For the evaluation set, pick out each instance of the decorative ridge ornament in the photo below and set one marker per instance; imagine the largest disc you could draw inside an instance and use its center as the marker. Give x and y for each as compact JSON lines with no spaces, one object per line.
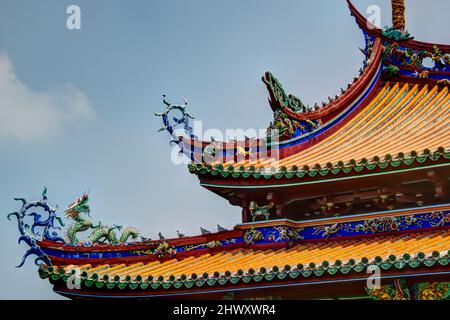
{"x":260,"y":211}
{"x":280,"y":101}
{"x":171,"y":125}
{"x":278,"y":96}
{"x":51,"y":224}
{"x":100,"y":233}
{"x":30,"y":235}
{"x":391,"y":70}
{"x":396,"y":34}
{"x":74,"y":212}
{"x":164,"y":249}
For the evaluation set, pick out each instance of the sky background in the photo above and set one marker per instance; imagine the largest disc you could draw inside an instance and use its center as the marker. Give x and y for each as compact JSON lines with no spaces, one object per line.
{"x":76,"y":106}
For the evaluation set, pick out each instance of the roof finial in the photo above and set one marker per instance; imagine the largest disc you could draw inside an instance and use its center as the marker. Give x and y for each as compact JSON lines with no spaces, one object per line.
{"x":398,"y":14}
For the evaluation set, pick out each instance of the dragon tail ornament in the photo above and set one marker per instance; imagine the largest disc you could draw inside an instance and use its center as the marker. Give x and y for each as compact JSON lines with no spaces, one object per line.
{"x":34,"y":227}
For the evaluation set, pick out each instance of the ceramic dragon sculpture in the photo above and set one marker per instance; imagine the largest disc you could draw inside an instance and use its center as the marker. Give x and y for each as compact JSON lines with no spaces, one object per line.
{"x":100,"y":233}
{"x":104,"y":234}
{"x":75,"y":212}
{"x":37,"y":221}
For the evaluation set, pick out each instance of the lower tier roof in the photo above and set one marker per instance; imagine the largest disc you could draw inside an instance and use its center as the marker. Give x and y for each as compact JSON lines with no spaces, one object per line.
{"x":303,"y":260}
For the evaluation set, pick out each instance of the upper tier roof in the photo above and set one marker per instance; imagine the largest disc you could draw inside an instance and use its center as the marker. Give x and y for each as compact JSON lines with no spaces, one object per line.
{"x":401,"y":118}
{"x":396,"y":110}
{"x":406,"y":123}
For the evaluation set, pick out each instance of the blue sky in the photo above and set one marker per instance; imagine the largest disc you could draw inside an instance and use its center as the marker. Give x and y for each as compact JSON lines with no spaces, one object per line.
{"x":76,"y":106}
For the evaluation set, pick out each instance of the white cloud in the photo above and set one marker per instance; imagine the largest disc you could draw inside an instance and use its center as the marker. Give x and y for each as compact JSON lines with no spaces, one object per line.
{"x":28,"y":115}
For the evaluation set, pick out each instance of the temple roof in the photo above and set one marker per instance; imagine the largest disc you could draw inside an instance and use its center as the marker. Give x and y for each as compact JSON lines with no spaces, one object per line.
{"x":393,"y":117}
{"x":395,"y":114}
{"x":306,"y":260}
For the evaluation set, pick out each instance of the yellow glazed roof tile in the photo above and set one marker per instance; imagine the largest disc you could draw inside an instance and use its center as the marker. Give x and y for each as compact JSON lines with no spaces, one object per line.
{"x":401,"y":118}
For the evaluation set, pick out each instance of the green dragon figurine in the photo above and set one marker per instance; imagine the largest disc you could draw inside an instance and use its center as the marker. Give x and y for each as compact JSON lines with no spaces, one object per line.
{"x":103,"y":234}
{"x":129,"y":233}
{"x":396,"y":34}
{"x":74,"y":211}
{"x":106,"y":233}
{"x":100,"y":233}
